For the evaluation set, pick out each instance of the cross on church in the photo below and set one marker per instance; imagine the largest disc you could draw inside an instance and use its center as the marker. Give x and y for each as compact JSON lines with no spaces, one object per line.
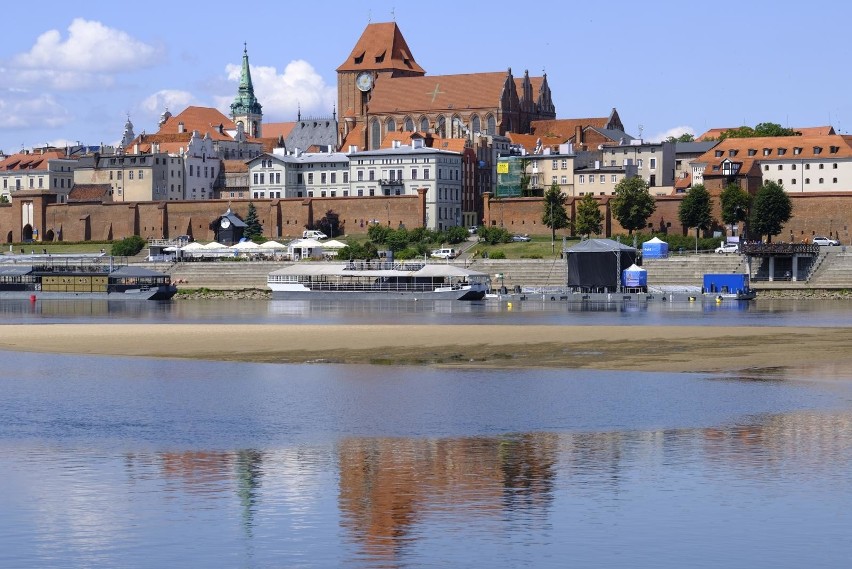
{"x":436,"y":92}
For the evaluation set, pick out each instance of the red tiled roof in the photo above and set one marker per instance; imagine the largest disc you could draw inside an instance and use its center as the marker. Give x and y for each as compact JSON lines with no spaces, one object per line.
{"x":22,"y":161}
{"x":684,"y":182}
{"x":565,"y":128}
{"x":276,"y":129}
{"x":529,"y":141}
{"x":749,"y":151}
{"x":203,"y":119}
{"x":381,"y":47}
{"x":452,"y":93}
{"x":89,"y":193}
{"x":233,"y":166}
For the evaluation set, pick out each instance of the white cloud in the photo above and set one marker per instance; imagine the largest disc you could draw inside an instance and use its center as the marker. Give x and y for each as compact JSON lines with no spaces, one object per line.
{"x":85,"y":59}
{"x":171,"y":99}
{"x":674,"y":131}
{"x":37,"y":112}
{"x":299,"y":86}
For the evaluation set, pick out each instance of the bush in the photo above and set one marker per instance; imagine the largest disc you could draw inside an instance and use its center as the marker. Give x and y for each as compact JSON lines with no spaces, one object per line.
{"x":455,"y":235}
{"x":497,"y":255}
{"x":494,"y":235}
{"x":128,"y":247}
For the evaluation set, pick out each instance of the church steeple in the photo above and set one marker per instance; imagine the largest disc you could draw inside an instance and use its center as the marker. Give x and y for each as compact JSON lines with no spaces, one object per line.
{"x":245,"y":109}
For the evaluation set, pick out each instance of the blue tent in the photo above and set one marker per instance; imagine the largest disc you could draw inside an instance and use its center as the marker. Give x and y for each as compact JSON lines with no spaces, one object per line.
{"x":634,"y":276}
{"x":655,"y":248}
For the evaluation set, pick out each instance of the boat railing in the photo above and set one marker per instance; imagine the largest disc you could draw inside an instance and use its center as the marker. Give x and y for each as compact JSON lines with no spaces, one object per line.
{"x":380,"y":287}
{"x":379,"y":265}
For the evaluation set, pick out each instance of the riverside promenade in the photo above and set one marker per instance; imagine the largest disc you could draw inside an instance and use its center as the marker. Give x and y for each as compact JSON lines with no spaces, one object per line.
{"x":831,"y":272}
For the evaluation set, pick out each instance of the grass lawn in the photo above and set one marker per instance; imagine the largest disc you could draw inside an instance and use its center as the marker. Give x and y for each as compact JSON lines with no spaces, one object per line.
{"x":538,"y":248}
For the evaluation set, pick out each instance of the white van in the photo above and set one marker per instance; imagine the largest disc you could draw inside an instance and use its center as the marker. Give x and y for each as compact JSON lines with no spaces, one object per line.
{"x":313,"y":234}
{"x":444,"y":253}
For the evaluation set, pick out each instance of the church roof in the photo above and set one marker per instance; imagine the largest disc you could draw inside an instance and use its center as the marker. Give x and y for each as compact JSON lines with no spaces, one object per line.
{"x":455,"y":93}
{"x":565,"y":128}
{"x":381,"y":47}
{"x":245,"y":102}
{"x":276,"y":129}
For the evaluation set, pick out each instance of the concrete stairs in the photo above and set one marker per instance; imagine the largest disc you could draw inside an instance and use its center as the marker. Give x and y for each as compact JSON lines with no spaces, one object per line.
{"x":689,"y":270}
{"x":834,"y":271}
{"x":522,"y":272}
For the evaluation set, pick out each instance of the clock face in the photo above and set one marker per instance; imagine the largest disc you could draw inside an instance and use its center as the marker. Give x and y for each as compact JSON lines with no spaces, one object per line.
{"x":225,"y":223}
{"x":364,"y":81}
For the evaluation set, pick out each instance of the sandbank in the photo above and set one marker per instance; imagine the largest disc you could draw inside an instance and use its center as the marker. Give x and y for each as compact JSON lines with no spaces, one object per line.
{"x":640,"y":348}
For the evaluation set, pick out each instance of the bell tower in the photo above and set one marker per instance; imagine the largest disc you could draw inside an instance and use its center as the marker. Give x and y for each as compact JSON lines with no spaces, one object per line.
{"x":245,"y":109}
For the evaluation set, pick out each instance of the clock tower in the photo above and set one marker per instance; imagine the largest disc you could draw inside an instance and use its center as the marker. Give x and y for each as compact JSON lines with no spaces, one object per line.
{"x":380,"y":54}
{"x":245,"y":109}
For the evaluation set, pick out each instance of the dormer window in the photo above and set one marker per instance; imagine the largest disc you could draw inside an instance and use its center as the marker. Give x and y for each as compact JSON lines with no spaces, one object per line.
{"x":782,"y":151}
{"x":718,"y":153}
{"x":767,"y":151}
{"x":752,"y":151}
{"x":834,"y":149}
{"x":359,"y":59}
{"x":380,"y":57}
{"x":817,"y":150}
{"x":797,"y":150}
{"x":732,"y":152}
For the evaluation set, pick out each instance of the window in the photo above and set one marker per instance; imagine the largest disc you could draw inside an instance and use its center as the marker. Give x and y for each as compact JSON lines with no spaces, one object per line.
{"x":190,"y":169}
{"x":834,"y":180}
{"x":425,"y":173}
{"x":807,"y":166}
{"x":414,"y":173}
{"x":553,"y":179}
{"x":639,"y":163}
{"x":834,"y":166}
{"x":797,"y":150}
{"x":752,"y":151}
{"x":300,"y":178}
{"x":581,"y":179}
{"x":780,"y":166}
{"x":310,"y":177}
{"x":262,"y":178}
{"x":360,"y":175}
{"x":614,"y":179}
{"x":322,"y":178}
{"x":767,"y":151}
{"x":346,"y":177}
{"x":766,"y":167}
{"x":372,"y":176}
{"x":409,"y":125}
{"x":564,"y":179}
{"x":334,"y":177}
{"x":475,"y":124}
{"x":808,"y":180}
{"x":555,"y":164}
{"x":603,"y":178}
{"x":375,"y":134}
{"x":817,"y":150}
{"x":492,"y":125}
{"x":565,"y":164}
{"x":652,"y":163}
{"x":130,"y":175}
{"x":141,"y":174}
{"x":793,"y":181}
{"x":424,"y":124}
{"x":391,"y":125}
{"x":792,"y":166}
{"x":591,"y":178}
{"x":782,"y":151}
{"x":718,"y":153}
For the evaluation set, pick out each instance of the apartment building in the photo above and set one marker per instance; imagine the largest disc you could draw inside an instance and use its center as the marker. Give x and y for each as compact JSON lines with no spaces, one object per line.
{"x":155,"y":176}
{"x":299,"y":175}
{"x":39,"y":169}
{"x":654,"y":161}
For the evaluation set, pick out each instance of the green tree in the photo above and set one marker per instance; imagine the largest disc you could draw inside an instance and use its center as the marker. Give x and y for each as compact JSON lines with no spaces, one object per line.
{"x":695,"y":208}
{"x":685,"y":137}
{"x":772,"y":208}
{"x":525,"y":178}
{"x":254,"y":229}
{"x":127,"y":247}
{"x":355,"y":250}
{"x":762,"y":129}
{"x":735,"y":202}
{"x":589,"y":217}
{"x":378,"y":233}
{"x":554,"y":215}
{"x":397,"y":239}
{"x":4,"y":198}
{"x":633,"y":204}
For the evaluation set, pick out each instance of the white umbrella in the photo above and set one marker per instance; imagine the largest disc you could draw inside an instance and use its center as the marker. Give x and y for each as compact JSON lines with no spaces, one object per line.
{"x":195,"y":245}
{"x":215,"y":245}
{"x":243,"y":245}
{"x":272,"y":245}
{"x":333,"y":244}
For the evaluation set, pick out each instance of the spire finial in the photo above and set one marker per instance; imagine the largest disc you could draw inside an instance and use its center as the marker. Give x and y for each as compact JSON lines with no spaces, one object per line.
{"x":245,"y":47}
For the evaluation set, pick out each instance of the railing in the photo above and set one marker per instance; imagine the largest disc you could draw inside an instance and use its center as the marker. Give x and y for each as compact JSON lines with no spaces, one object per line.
{"x":766,"y":249}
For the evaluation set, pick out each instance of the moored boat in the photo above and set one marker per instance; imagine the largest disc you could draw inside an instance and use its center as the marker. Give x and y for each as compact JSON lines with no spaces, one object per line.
{"x":76,"y":277}
{"x":378,"y":280}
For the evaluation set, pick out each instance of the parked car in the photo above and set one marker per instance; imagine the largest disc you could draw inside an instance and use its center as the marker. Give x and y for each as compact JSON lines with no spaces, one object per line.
{"x":825,"y":241}
{"x":521,"y":238}
{"x":472,"y":229}
{"x":444,"y":253}
{"x":725,"y":248}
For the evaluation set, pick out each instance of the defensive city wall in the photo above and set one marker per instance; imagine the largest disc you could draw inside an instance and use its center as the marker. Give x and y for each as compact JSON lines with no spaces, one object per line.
{"x":34,"y":214}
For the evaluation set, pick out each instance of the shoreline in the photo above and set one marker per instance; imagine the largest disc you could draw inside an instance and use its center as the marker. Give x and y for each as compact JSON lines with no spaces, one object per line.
{"x":624,"y":348}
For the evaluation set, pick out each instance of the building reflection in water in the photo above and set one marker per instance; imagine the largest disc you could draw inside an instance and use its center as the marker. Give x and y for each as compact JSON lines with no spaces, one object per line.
{"x":388,"y":486}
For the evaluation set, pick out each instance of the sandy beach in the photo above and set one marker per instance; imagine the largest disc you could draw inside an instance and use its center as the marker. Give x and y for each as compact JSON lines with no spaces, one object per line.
{"x":641,"y":348}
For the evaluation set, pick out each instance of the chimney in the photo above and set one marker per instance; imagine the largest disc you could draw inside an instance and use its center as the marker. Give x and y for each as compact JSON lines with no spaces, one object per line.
{"x":181,"y":128}
{"x":578,"y":135}
{"x":352,"y":148}
{"x":395,"y":144}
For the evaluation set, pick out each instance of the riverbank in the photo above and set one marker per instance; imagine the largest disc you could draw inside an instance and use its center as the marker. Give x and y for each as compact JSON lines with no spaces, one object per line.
{"x":645,"y":348}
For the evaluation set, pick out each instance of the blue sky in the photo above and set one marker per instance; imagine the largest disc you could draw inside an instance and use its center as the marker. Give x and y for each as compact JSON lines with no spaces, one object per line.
{"x":74,"y":71}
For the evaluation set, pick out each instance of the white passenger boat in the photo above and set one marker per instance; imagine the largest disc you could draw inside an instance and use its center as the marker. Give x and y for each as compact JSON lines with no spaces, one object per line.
{"x":359,"y":280}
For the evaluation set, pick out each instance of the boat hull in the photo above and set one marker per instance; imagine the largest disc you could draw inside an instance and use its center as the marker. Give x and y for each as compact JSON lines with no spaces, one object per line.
{"x":158,"y":293}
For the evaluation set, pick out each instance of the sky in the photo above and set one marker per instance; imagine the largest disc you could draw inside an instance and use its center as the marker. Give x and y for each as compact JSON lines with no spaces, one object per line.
{"x":74,"y":72}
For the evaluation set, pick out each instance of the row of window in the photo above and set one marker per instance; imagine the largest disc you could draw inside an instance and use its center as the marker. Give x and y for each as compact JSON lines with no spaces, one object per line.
{"x":57,"y":183}
{"x":794,"y":181}
{"x":197,"y":171}
{"x":458,"y":127}
{"x":807,"y":166}
{"x":780,"y":151}
{"x":581,"y":178}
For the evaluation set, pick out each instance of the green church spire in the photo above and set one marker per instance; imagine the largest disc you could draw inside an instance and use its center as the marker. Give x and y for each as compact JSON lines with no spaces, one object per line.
{"x":245,"y":103}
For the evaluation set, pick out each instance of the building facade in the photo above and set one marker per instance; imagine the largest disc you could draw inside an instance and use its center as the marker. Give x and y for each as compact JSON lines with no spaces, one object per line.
{"x":40,"y":169}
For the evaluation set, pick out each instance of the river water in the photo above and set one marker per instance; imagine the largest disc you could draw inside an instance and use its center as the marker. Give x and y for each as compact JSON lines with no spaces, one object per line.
{"x":149,"y":463}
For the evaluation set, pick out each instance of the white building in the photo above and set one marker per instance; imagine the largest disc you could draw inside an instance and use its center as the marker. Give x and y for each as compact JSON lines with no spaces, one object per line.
{"x":403,"y":170}
{"x":299,"y":175}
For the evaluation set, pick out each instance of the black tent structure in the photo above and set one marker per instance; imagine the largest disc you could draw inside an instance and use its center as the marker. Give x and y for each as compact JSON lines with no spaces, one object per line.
{"x":595,"y":265}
